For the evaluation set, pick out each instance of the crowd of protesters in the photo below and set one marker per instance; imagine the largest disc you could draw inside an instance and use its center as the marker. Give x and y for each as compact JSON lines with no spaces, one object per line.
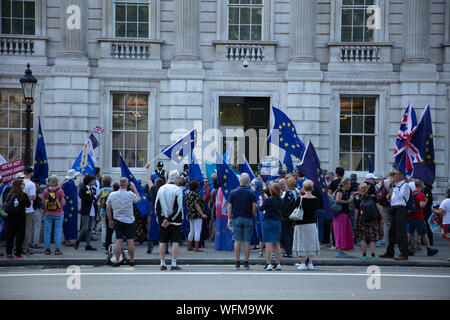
{"x":378,"y":212}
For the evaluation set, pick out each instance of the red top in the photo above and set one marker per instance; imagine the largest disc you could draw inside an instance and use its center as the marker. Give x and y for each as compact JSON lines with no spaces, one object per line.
{"x":59,"y":195}
{"x":418,"y":197}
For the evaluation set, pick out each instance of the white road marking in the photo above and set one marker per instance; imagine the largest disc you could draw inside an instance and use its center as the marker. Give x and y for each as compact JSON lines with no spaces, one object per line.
{"x":236,"y":273}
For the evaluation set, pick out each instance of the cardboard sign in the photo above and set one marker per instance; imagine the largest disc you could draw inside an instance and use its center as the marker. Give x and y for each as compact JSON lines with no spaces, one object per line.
{"x":9,"y":170}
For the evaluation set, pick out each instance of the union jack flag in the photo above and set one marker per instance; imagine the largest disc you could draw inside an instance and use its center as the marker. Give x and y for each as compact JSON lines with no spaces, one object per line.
{"x":405,"y":152}
{"x":98,"y":130}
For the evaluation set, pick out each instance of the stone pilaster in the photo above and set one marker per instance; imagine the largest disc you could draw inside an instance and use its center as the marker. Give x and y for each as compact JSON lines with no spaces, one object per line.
{"x":73,"y":28}
{"x":187,"y":14}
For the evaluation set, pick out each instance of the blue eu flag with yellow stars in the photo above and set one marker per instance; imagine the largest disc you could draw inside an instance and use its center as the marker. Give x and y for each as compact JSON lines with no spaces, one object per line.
{"x":40,"y":158}
{"x":180,"y":149}
{"x":310,"y":167}
{"x":70,"y":210}
{"x":143,"y":206}
{"x":84,"y":164}
{"x":195,"y":173}
{"x":226,"y":177}
{"x":285,"y":135}
{"x":422,"y":138}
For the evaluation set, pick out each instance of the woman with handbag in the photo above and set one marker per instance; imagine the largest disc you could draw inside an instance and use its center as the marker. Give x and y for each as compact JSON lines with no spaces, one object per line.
{"x":271,"y":226}
{"x":342,"y":225}
{"x":306,"y":239}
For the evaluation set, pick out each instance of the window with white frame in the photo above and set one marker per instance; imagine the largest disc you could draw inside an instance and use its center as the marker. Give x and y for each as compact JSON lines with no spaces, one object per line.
{"x":12,"y":124}
{"x":357,"y":132}
{"x":130,"y":128}
{"x":354,"y":21}
{"x":131,"y":18}
{"x":245,"y":19}
{"x":18,"y":17}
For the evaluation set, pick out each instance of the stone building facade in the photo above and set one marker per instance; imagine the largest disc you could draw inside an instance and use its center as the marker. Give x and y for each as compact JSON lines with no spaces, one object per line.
{"x":343,"y":70}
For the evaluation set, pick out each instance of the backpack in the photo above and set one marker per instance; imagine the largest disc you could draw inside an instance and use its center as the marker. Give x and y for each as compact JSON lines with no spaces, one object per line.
{"x":8,"y":204}
{"x":103,"y":198}
{"x":382,"y":196}
{"x":52,"y":203}
{"x":336,"y":208}
{"x":288,"y":207}
{"x":411,"y":204}
{"x":369,"y":211}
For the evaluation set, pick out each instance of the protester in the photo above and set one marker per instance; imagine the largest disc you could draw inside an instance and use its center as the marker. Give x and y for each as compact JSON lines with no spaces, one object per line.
{"x":30,"y":190}
{"x":368,"y":221}
{"x":371,"y":181}
{"x":54,"y":202}
{"x":241,"y":208}
{"x":321,"y":215}
{"x":257,"y":233}
{"x":158,"y":183}
{"x":271,"y":227}
{"x":342,"y":226}
{"x":185,"y":171}
{"x":335,"y":183}
{"x":195,"y":215}
{"x":97,"y":186}
{"x":15,"y":205}
{"x":212,"y":206}
{"x":444,"y":211}
{"x":283,"y":186}
{"x":87,"y":211}
{"x":205,"y":225}
{"x":109,"y":230}
{"x":306,"y":240}
{"x":289,"y":206}
{"x":102,"y":195}
{"x":329,"y":176}
{"x":121,"y":203}
{"x":355,"y":184}
{"x":140,"y":221}
{"x":38,"y":206}
{"x":416,"y":222}
{"x":397,"y":232}
{"x":428,"y":210}
{"x":382,"y":200}
{"x":169,"y":211}
{"x":70,"y":228}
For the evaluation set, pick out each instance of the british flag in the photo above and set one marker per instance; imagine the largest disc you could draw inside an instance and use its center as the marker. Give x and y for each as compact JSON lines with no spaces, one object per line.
{"x":406,"y":153}
{"x":98,"y":130}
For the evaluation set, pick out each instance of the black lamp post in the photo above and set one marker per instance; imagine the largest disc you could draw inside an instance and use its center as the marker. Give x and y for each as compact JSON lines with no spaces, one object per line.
{"x":28,"y":83}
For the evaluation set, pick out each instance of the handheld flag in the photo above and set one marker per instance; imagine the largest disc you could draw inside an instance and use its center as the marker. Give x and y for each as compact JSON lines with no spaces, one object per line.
{"x":425,"y":170}
{"x":70,"y":210}
{"x":311,"y":168}
{"x":227,"y":155}
{"x":223,"y":238}
{"x":143,"y":206}
{"x":40,"y":158}
{"x":226,"y":178}
{"x":94,"y":141}
{"x":195,"y":173}
{"x":288,"y":162}
{"x":84,"y":164}
{"x":245,"y":167}
{"x":370,"y":165}
{"x":285,"y":135}
{"x":178,"y":150}
{"x":406,"y":153}
{"x":98,"y":130}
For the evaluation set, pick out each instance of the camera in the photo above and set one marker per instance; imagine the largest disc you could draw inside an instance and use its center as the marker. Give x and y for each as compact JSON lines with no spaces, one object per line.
{"x":245,"y":63}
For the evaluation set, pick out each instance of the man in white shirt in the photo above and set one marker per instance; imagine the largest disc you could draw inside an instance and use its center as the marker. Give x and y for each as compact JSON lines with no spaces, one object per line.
{"x":169,"y":213}
{"x":397,"y":232}
{"x":30,"y":190}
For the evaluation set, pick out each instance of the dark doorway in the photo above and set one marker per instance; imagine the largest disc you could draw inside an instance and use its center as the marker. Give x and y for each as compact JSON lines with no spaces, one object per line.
{"x":251,"y":114}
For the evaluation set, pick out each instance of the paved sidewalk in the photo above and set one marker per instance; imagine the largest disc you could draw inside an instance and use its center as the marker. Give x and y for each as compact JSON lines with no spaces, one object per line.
{"x":210,"y":256}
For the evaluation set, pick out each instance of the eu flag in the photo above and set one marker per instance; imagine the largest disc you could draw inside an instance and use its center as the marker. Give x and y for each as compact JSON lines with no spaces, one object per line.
{"x":370,"y":165}
{"x":40,"y":158}
{"x":288,"y":162}
{"x":285,"y":135}
{"x":143,"y":206}
{"x":422,"y":138}
{"x":245,"y":167}
{"x":223,"y":239}
{"x":84,"y":164}
{"x":195,"y":173}
{"x":178,"y":150}
{"x":70,"y":210}
{"x":311,"y":168}
{"x":226,"y":178}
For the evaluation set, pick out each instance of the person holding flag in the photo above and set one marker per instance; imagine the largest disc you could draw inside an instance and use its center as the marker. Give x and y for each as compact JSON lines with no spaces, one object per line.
{"x":71,"y":208}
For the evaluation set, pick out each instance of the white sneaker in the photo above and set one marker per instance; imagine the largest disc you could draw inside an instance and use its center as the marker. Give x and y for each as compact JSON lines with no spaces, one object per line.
{"x":278,"y":268}
{"x":302,"y":267}
{"x":269,"y":267}
{"x":310,"y":266}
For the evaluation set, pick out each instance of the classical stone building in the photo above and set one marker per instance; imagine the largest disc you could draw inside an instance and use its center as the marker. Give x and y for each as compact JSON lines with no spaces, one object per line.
{"x":343,"y":70}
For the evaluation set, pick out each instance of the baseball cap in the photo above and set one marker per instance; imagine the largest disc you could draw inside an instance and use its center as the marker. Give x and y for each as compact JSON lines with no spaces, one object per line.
{"x":20,"y":175}
{"x":371,"y":176}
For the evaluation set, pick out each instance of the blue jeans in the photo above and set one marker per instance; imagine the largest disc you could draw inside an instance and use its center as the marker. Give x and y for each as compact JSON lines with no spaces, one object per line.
{"x":48,"y":220}
{"x":321,"y":216}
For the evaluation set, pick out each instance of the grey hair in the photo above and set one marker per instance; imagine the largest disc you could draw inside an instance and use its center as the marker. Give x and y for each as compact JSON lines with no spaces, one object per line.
{"x":123,"y":182}
{"x":244,"y":179}
{"x":53,"y":181}
{"x":173,"y":175}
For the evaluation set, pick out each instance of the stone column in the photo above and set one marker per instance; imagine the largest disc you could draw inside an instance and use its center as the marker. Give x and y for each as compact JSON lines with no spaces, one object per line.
{"x":74,"y":28}
{"x":416,"y":21}
{"x":187,"y":13}
{"x":302,"y":30}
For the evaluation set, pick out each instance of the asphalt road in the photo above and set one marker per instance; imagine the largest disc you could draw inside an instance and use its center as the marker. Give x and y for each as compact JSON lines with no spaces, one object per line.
{"x":224,"y":283}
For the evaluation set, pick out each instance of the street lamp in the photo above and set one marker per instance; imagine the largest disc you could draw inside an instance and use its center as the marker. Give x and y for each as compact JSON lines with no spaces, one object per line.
{"x":28,"y":83}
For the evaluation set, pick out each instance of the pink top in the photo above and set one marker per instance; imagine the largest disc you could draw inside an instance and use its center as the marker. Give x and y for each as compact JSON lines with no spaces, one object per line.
{"x":59,"y":195}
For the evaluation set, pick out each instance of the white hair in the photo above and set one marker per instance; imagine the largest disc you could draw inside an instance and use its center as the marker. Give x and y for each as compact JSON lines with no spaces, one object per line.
{"x":53,"y":181}
{"x":244,"y":179}
{"x":173,"y":175}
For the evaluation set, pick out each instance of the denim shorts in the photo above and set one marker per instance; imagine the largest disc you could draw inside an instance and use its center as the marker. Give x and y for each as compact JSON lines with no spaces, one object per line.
{"x":242,"y":229}
{"x":418,"y":225}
